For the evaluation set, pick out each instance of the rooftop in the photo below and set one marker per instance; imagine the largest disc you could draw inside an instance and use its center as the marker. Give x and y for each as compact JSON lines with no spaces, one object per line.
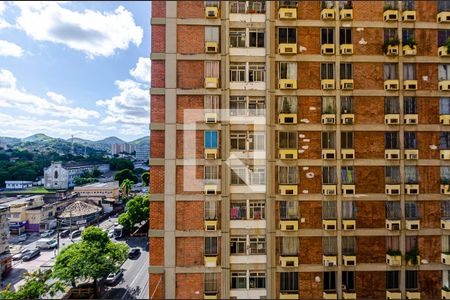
{"x":99,"y":185}
{"x":78,"y":209}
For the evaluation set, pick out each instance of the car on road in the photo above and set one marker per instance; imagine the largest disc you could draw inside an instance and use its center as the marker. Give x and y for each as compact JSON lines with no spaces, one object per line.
{"x":75,"y":234}
{"x":64,"y":233}
{"x":46,"y":243}
{"x":113,"y":277}
{"x":21,"y":254}
{"x":23,"y":237}
{"x":32,"y":254}
{"x":134,"y":253}
{"x":47,"y":233}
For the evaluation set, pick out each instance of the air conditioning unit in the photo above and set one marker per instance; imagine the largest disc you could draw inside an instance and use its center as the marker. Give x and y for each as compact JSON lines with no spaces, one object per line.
{"x":327,"y":14}
{"x":390,"y":15}
{"x":327,"y":84}
{"x":289,"y":225}
{"x":347,"y":153}
{"x":329,"y":260}
{"x":346,"y":14}
{"x":211,"y":225}
{"x":211,"y":83}
{"x":327,"y":49}
{"x":392,"y":189}
{"x":287,"y":48}
{"x":346,"y":49}
{"x":445,"y":189}
{"x":348,"y":295}
{"x":413,"y":224}
{"x":289,"y":261}
{"x":211,"y":117}
{"x":211,"y":47}
{"x":409,"y":16}
{"x":445,"y":154}
{"x":411,"y":189}
{"x":443,"y":51}
{"x":209,"y":296}
{"x":329,"y":189}
{"x":393,"y":295}
{"x":393,"y":225}
{"x":287,"y":153}
{"x":391,"y":85}
{"x":328,"y":154}
{"x":411,"y":154}
{"x":287,"y":119}
{"x":211,"y":189}
{"x":211,"y":153}
{"x":392,"y":50}
{"x":347,"y":119}
{"x":392,"y":119}
{"x":411,"y":119}
{"x":444,"y":85}
{"x":349,"y":260}
{"x":445,"y":224}
{"x":393,"y":154}
{"x":349,"y":224}
{"x":328,"y":119}
{"x":288,"y":189}
{"x":211,"y":12}
{"x":445,"y":294}
{"x":346,"y":84}
{"x":348,"y":189}
{"x":329,"y":224}
{"x":412,"y":295}
{"x":287,"y":84}
{"x":289,"y":296}
{"x":444,"y":119}
{"x":329,"y":295}
{"x":285,"y":13}
{"x":408,"y":51}
{"x":410,"y":85}
{"x":443,"y":17}
{"x":393,"y":260}
{"x":210,"y":261}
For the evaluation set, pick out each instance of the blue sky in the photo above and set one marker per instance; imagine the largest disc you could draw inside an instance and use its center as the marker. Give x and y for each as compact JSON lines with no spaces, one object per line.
{"x":78,"y":68}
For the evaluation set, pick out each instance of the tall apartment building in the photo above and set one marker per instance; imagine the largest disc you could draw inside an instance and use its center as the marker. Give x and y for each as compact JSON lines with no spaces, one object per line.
{"x":300,"y":150}
{"x":122,"y":148}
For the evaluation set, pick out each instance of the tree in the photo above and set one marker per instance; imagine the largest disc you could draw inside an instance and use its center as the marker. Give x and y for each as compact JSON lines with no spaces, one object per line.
{"x":118,"y":164}
{"x":137,"y":210}
{"x":37,"y":284}
{"x":126,"y":187}
{"x":125,"y":174}
{"x":83,"y":180}
{"x":145,"y":178}
{"x":94,"y":257}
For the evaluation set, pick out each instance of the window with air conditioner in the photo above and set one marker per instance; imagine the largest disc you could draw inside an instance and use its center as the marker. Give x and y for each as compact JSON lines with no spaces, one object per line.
{"x":287,"y":105}
{"x":410,"y":140}
{"x":212,"y":69}
{"x":348,"y":175}
{"x":211,"y":283}
{"x":287,"y":175}
{"x":287,"y":140}
{"x":391,"y":140}
{"x":390,"y":71}
{"x":257,"y":280}
{"x":211,"y":103}
{"x":346,"y":71}
{"x":327,"y":36}
{"x":345,"y":36}
{"x":288,"y":70}
{"x":348,"y":281}
{"x":411,"y":210}
{"x":237,"y":72}
{"x":347,"y":105}
{"x":393,"y":280}
{"x":347,"y":140}
{"x":329,"y":281}
{"x":393,"y":210}
{"x":289,"y":282}
{"x":239,"y":280}
{"x":211,"y":174}
{"x":287,"y":35}
{"x":409,"y":71}
{"x":392,"y":175}
{"x":443,"y":36}
{"x":327,"y":71}
{"x":411,"y":175}
{"x":329,"y":244}
{"x":410,"y":105}
{"x":256,"y":72}
{"x":212,"y":34}
{"x":210,"y":210}
{"x":329,"y":210}
{"x":237,"y":38}
{"x":443,"y":5}
{"x":409,"y":5}
{"x":328,"y":105}
{"x":289,"y":246}
{"x":411,"y":280}
{"x":348,"y":245}
{"x":288,"y":210}
{"x":329,"y":175}
{"x":445,"y":209}
{"x":256,"y":38}
{"x":257,"y":245}
{"x":238,"y":245}
{"x":443,"y":72}
{"x":391,"y":105}
{"x":348,"y":210}
{"x":211,"y":139}
{"x":328,"y":140}
{"x":444,"y":143}
{"x":211,"y":246}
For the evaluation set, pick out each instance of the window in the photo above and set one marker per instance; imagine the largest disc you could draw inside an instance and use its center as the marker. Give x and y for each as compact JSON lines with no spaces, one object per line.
{"x":238,"y":245}
{"x":409,"y":5}
{"x":257,"y":210}
{"x":329,"y":281}
{"x":327,"y":36}
{"x":328,"y":105}
{"x":444,"y":72}
{"x":392,"y":4}
{"x":445,"y":210}
{"x":443,"y":5}
{"x":390,"y":34}
{"x":257,"y":280}
{"x":411,"y":243}
{"x":238,"y":210}
{"x":288,"y":210}
{"x":287,"y":175}
{"x":211,"y":139}
{"x":390,"y":71}
{"x":347,"y":139}
{"x":247,"y":106}
{"x":345,"y":36}
{"x":409,"y":71}
{"x":211,"y":246}
{"x":288,"y":105}
{"x":211,"y":281}
{"x":212,"y":34}
{"x":443,"y":36}
{"x":348,"y":245}
{"x":328,"y":140}
{"x":289,"y":246}
{"x":347,"y":175}
{"x":211,"y":103}
{"x":392,"y":280}
{"x":348,"y":280}
{"x":256,"y":72}
{"x":348,"y":210}
{"x":289,"y":282}
{"x":257,"y":175}
{"x":445,"y":243}
{"x":212,"y":69}
{"x":256,"y":6}
{"x":238,"y":280}
{"x":237,"y":38}
{"x":210,"y":210}
{"x":256,"y":38}
{"x":327,"y":4}
{"x":256,"y":141}
{"x":287,"y":140}
{"x":411,"y":210}
{"x":410,"y":105}
{"x":237,"y":72}
{"x":392,"y":175}
{"x":407,"y":34}
{"x":287,"y":35}
{"x":391,"y":140}
{"x":444,"y":140}
{"x":411,"y":280}
{"x":327,"y":71}
{"x":347,"y":105}
{"x":329,"y":245}
{"x":445,"y":175}
{"x":391,"y":105}
{"x":238,"y":175}
{"x":329,"y":175}
{"x":393,"y":210}
{"x":329,"y":210}
{"x":238,"y":105}
{"x":411,"y":176}
{"x":56,"y":175}
{"x":257,"y":245}
{"x":346,"y":71}
{"x":256,"y":106}
{"x":410,"y":140}
{"x":211,"y":173}
{"x":237,"y":7}
{"x":238,"y":141}
{"x":393,"y":243}
{"x":288,"y":70}
{"x":345,"y":4}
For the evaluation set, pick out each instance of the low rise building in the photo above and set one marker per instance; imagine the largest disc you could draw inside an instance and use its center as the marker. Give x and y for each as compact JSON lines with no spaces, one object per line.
{"x":99,"y":189}
{"x":18,"y":185}
{"x":62,"y":176}
{"x":5,"y":255}
{"x":31,"y":214}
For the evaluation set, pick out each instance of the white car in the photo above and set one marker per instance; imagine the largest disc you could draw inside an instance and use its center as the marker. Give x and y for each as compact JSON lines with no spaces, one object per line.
{"x":20,"y":254}
{"x":113,"y":277}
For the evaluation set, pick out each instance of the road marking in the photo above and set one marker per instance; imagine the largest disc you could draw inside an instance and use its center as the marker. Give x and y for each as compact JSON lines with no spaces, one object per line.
{"x":131,"y":284}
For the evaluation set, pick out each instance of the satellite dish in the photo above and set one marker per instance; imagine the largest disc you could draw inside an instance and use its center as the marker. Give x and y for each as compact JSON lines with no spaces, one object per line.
{"x":317,"y":278}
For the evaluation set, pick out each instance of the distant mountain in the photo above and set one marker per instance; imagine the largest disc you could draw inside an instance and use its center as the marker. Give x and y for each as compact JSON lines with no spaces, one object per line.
{"x":40,"y":137}
{"x":110,"y":141}
{"x":9,"y":140}
{"x":142,"y":141}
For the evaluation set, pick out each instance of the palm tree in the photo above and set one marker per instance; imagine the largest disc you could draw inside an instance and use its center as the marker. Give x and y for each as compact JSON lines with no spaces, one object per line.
{"x":126,"y":187}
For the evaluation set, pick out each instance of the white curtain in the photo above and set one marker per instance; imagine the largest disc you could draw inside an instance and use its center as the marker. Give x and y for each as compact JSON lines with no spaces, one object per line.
{"x":292,"y":70}
{"x":289,"y":245}
{"x":390,"y":71}
{"x":409,"y":72}
{"x":212,"y":69}
{"x":444,"y":72}
{"x":211,"y":34}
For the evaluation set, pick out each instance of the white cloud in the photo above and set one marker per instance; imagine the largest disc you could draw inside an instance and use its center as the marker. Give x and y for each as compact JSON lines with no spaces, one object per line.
{"x":10,"y":49}
{"x":142,"y":69}
{"x":11,"y":97}
{"x":93,"y":32}
{"x":2,"y":7}
{"x":58,"y":98}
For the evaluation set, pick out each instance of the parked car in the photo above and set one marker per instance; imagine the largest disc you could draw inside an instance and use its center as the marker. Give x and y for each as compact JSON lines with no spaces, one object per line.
{"x":113,"y":277}
{"x":47,"y":233}
{"x":134,"y":252}
{"x":21,"y":254}
{"x":23,"y":237}
{"x":32,"y":254}
{"x":75,"y":234}
{"x":64,"y":233}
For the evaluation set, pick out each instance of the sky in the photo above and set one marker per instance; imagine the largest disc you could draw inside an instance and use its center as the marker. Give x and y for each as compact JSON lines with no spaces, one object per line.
{"x":75,"y":68}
